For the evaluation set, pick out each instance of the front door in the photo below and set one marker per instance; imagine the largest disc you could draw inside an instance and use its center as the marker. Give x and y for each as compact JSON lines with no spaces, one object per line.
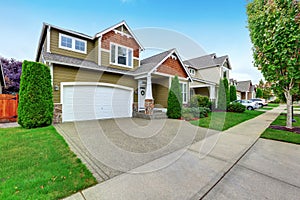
{"x":142,"y":94}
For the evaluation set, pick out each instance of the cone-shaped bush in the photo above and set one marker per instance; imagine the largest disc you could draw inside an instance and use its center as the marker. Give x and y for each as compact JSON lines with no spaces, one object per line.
{"x":222,"y":97}
{"x":174,"y":100}
{"x":232,"y":91}
{"x":35,"y":96}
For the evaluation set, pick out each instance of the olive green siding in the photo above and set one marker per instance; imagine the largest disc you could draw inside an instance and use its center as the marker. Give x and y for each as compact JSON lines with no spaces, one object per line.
{"x":73,"y":74}
{"x":135,"y":63}
{"x":105,"y":58}
{"x":160,"y":90}
{"x":54,"y":47}
{"x":204,"y":91}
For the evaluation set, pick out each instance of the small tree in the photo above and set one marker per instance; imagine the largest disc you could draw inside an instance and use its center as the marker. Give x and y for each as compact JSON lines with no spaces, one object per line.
{"x":274,"y":27}
{"x":12,"y":71}
{"x":259,"y":93}
{"x":35,"y":103}
{"x":226,"y":86}
{"x":232,"y":91}
{"x":222,"y":99}
{"x":174,"y":100}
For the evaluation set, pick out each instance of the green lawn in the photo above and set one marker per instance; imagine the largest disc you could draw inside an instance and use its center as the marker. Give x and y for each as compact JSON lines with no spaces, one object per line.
{"x":37,"y":164}
{"x":281,"y":135}
{"x":266,"y":108}
{"x":273,"y":105}
{"x":225,"y":120}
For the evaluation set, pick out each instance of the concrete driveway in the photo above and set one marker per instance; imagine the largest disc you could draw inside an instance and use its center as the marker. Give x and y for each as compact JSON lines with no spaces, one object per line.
{"x":111,"y":147}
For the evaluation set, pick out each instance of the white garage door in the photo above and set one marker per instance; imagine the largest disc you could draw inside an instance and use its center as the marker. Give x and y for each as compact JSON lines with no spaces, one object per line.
{"x":94,"y":101}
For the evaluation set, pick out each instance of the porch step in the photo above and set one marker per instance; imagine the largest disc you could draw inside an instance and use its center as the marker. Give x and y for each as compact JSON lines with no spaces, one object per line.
{"x":158,"y":114}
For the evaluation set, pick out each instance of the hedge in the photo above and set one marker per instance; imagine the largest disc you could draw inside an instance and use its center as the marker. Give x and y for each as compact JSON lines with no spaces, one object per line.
{"x":35,"y":96}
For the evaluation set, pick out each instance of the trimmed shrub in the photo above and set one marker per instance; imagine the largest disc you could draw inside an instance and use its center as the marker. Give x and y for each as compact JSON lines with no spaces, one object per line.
{"x":232,"y":93}
{"x":174,"y":100}
{"x":226,"y":87}
{"x":200,"y":101}
{"x":222,"y":102}
{"x":276,"y":101}
{"x":35,"y":97}
{"x":236,"y":107}
{"x":199,"y":112}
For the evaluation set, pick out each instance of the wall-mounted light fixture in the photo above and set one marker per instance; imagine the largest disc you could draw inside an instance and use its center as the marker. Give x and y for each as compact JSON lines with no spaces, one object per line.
{"x":56,"y":87}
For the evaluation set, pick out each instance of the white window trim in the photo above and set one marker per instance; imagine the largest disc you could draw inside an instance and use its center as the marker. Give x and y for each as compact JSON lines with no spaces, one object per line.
{"x":116,"y":55}
{"x":186,"y":92}
{"x":73,"y":43}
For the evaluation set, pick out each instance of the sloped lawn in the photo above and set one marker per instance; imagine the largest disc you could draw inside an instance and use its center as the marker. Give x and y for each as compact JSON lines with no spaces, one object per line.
{"x":225,"y":120}
{"x":37,"y":164}
{"x":282,"y":135}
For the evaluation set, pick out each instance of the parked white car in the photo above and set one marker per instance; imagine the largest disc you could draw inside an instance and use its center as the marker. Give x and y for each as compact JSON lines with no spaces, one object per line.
{"x":261,"y":102}
{"x":250,"y":105}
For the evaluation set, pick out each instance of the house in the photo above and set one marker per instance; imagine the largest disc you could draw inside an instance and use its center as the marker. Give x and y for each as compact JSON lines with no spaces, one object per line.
{"x":245,"y":90}
{"x":2,"y":80}
{"x":206,"y":72}
{"x":102,"y":76}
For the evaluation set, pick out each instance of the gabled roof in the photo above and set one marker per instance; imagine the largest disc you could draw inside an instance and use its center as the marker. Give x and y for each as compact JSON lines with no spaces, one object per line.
{"x":46,"y":25}
{"x":2,"y":79}
{"x":210,"y":60}
{"x":244,"y":86}
{"x":150,"y":64}
{"x":122,"y":23}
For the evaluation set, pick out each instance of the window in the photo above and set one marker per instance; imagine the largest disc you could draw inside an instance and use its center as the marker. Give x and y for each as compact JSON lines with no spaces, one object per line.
{"x":121,"y":55}
{"x":79,"y":45}
{"x":183,"y":88}
{"x":66,"y":42}
{"x":71,"y":43}
{"x":192,"y":71}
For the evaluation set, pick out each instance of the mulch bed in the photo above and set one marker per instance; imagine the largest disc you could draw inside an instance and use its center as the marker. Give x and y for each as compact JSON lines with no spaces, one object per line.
{"x":283,"y":128}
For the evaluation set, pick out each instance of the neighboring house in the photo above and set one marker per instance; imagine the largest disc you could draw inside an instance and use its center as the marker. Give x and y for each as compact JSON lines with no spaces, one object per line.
{"x":246,"y":90}
{"x":206,"y":72}
{"x":102,"y":76}
{"x":238,"y":93}
{"x":2,"y":80}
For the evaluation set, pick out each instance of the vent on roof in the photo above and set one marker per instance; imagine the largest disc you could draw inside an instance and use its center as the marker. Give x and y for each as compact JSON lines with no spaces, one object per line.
{"x":173,"y":57}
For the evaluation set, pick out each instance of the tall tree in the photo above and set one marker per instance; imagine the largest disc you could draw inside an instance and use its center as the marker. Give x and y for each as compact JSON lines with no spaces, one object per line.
{"x":259,"y":93}
{"x":275,"y":33}
{"x":12,"y":71}
{"x":232,"y":91}
{"x":226,"y":87}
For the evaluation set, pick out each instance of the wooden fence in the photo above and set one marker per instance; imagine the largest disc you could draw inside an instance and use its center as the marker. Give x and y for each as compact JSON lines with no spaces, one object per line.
{"x":8,"y":107}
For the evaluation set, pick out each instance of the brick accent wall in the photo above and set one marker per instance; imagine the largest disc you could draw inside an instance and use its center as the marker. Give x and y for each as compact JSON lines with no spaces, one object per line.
{"x":172,"y":67}
{"x":119,"y":39}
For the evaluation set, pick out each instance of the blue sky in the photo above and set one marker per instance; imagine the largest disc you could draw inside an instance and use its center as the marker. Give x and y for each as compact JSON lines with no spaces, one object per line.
{"x":217,"y":26}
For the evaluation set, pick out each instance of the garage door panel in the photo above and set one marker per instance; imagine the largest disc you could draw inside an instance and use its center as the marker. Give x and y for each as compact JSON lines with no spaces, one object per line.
{"x":95,"y":102}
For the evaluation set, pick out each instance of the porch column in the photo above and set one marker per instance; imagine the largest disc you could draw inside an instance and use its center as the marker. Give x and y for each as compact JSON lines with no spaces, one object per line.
{"x":149,"y":102}
{"x":212,"y":92}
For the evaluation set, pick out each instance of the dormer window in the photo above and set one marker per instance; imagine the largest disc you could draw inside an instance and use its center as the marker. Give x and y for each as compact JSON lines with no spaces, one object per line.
{"x":192,"y":71}
{"x":121,"y":55}
{"x":71,"y":43}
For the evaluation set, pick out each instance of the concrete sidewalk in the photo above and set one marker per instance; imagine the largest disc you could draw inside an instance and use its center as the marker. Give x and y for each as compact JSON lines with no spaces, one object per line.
{"x":189,"y":173}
